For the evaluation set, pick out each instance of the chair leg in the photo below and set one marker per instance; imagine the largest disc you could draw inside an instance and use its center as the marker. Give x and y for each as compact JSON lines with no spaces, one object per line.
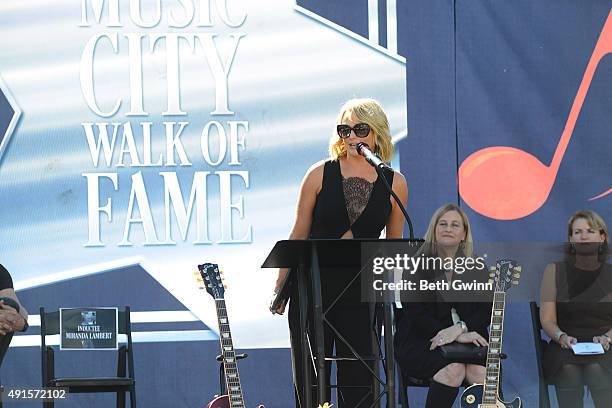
{"x":133,"y":396}
{"x":402,"y":392}
{"x":405,"y":398}
{"x":544,"y":397}
{"x":120,"y":399}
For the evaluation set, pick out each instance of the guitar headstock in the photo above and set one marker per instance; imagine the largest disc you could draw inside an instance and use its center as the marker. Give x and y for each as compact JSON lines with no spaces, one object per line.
{"x":505,"y":274}
{"x":211,"y":278}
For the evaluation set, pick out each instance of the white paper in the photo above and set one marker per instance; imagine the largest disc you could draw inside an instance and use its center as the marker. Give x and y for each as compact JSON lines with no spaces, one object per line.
{"x":587,"y":348}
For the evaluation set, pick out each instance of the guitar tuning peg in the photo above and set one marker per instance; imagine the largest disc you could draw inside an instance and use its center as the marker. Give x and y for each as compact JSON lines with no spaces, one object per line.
{"x":516,"y":275}
{"x":199,"y":280}
{"x":201,"y":287}
{"x":225,"y":286}
{"x":491,"y":275}
{"x":490,"y":281}
{"x":518,"y":268}
{"x":197,"y":273}
{"x":492,"y":268}
{"x":515,"y":283}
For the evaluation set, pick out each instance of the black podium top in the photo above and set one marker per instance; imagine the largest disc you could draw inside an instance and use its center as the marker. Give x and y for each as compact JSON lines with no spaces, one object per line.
{"x":332,"y":253}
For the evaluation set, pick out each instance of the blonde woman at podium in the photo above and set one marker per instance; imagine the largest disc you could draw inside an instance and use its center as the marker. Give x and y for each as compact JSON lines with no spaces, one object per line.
{"x":344,"y":197}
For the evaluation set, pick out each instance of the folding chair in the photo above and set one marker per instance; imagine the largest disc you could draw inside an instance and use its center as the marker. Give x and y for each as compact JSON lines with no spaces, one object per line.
{"x":122,"y":382}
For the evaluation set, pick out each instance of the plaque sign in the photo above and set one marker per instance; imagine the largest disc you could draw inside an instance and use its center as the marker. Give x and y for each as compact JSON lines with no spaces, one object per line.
{"x":88,"y":328}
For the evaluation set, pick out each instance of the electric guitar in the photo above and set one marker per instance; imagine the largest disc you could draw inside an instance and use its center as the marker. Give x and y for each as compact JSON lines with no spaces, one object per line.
{"x":505,"y":274}
{"x":211,"y":277}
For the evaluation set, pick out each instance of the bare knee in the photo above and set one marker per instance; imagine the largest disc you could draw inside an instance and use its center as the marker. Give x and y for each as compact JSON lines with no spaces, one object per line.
{"x":451,"y":375}
{"x":475,"y":373}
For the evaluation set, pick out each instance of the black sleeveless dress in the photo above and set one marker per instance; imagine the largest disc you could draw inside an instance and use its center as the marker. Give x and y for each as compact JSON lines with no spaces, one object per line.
{"x":364,"y":208}
{"x":331,"y":217}
{"x":584,"y":310}
{"x":335,"y":213}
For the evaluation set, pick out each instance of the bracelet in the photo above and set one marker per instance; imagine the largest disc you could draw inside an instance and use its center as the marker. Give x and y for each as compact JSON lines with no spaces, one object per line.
{"x":558,"y":335}
{"x":464,"y":328}
{"x":25,"y":324}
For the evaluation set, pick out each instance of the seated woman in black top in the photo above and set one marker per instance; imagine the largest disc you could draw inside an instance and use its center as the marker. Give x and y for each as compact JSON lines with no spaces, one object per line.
{"x":426,"y":325}
{"x":576,"y":306}
{"x":13,"y":316}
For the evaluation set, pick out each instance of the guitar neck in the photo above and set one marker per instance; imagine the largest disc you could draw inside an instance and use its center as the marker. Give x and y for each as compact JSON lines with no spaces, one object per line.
{"x":491,"y":383}
{"x":232,"y":378}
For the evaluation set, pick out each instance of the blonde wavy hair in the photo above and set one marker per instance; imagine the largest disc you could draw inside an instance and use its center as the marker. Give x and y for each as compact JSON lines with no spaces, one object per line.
{"x":369,"y":111}
{"x":429,"y":247}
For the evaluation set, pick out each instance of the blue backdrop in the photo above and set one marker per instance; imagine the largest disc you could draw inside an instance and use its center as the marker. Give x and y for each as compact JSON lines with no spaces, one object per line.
{"x":477,"y":74}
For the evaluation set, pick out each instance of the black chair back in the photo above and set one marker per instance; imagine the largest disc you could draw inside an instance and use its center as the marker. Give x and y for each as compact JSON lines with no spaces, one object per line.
{"x":123,"y":382}
{"x":539,"y":343}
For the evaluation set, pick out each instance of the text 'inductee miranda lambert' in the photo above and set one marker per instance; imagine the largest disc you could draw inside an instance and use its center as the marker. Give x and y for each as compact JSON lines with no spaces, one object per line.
{"x":121,"y":102}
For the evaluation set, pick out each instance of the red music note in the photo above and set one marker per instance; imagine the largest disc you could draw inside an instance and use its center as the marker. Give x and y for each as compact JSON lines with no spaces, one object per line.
{"x":507,"y":183}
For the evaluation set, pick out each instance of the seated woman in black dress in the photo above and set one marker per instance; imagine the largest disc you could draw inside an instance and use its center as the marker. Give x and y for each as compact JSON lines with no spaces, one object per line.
{"x":426,"y":325}
{"x":576,"y":306}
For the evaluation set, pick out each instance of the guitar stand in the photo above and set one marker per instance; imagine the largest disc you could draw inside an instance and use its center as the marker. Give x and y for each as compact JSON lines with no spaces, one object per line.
{"x":222,"y":384}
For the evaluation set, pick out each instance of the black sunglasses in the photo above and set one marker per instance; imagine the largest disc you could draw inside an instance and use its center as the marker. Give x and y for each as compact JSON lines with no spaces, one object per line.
{"x":360,"y":130}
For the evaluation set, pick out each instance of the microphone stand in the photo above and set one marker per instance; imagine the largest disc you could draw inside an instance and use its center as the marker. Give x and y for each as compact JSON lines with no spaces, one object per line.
{"x":381,"y":174}
{"x":386,"y":310}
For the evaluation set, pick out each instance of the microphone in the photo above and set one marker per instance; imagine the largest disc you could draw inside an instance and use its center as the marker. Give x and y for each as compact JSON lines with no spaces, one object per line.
{"x":364,"y":150}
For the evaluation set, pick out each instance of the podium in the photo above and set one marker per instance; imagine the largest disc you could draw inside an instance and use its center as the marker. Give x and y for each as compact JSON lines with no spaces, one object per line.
{"x":306,"y":259}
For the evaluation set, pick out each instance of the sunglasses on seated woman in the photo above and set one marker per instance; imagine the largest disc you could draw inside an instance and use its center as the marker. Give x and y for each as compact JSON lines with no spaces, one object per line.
{"x":360,"y":130}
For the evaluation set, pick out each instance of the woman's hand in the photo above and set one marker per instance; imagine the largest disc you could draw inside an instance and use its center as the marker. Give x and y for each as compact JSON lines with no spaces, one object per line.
{"x":603,"y":340}
{"x":280,"y":308}
{"x":446,"y":336}
{"x":566,"y":341}
{"x":472,"y":337}
{"x":10,"y":320}
{"x":280,"y":281}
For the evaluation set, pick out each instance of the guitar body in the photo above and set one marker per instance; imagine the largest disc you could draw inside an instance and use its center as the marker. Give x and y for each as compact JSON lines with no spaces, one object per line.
{"x":222,"y":401}
{"x":472,"y":398}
